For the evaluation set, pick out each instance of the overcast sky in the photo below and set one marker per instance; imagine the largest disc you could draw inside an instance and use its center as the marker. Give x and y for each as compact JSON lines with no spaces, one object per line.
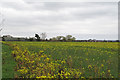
{"x":84,"y":20}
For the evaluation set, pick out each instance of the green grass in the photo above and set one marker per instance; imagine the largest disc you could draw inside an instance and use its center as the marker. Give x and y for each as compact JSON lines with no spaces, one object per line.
{"x":8,"y":63}
{"x":83,"y":54}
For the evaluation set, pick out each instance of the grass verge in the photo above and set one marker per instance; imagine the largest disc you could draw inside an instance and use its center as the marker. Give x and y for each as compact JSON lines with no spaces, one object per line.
{"x":8,"y":62}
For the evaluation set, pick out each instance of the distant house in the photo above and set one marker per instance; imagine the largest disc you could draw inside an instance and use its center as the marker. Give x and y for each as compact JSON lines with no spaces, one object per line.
{"x":31,"y":39}
{"x":10,"y":38}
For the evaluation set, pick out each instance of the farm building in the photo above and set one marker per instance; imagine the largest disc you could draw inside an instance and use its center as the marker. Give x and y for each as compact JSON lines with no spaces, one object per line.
{"x":10,"y":38}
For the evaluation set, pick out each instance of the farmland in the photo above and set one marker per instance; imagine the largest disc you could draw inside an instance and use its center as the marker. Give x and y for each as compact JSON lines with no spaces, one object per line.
{"x":64,"y":59}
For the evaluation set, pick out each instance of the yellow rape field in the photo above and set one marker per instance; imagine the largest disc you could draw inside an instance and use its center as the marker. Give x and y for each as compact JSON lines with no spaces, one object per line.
{"x":65,"y":59}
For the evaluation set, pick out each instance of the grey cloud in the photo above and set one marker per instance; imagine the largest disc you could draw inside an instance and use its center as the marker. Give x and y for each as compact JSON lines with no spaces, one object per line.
{"x":60,"y":17}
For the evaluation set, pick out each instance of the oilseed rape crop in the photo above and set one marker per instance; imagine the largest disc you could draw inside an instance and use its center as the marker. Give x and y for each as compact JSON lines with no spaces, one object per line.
{"x":39,"y":65}
{"x":65,"y":59}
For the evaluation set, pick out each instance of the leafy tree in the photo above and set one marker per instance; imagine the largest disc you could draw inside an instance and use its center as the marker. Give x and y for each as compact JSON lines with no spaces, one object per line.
{"x":64,"y":38}
{"x":31,"y":39}
{"x":3,"y":39}
{"x":38,"y":37}
{"x":68,"y":37}
{"x":53,"y":39}
{"x":117,"y":40}
{"x":73,"y":38}
{"x":59,"y":38}
{"x":18,"y":39}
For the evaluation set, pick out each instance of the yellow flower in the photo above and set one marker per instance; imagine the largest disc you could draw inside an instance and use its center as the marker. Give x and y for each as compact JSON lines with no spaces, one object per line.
{"x":37,"y":77}
{"x":23,"y":71}
{"x":47,"y":59}
{"x":66,"y":77}
{"x":41,"y":51}
{"x":103,"y":72}
{"x":63,"y":62}
{"x":82,"y":77}
{"x":86,"y":59}
{"x":80,"y":73}
{"x":42,"y":76}
{"x":32,"y":61}
{"x":89,"y":66}
{"x":102,"y":65}
{"x":42,"y":56}
{"x":108,"y":70}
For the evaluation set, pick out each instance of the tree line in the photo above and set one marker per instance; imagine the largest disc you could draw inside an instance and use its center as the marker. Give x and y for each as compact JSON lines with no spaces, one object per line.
{"x":58,"y":38}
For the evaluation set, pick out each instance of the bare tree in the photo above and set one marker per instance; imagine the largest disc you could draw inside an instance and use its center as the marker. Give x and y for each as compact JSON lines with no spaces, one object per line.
{"x":43,"y":36}
{"x":1,"y":29}
{"x":2,"y":19}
